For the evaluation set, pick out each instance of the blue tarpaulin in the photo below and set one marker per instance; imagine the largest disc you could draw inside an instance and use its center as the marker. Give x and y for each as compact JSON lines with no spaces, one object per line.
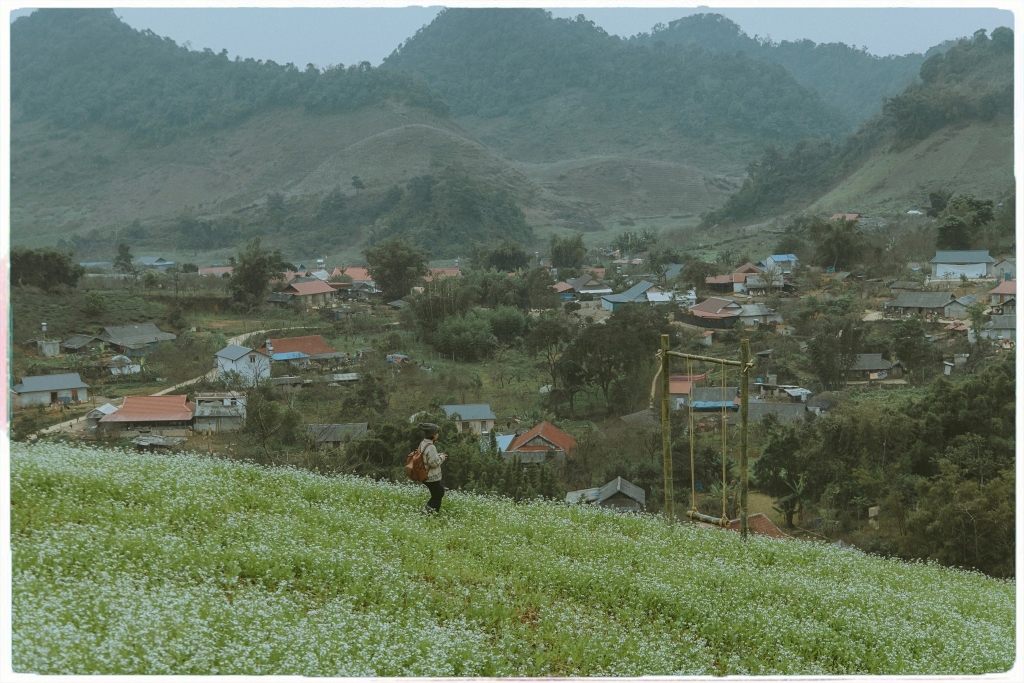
{"x":290,"y":355}
{"x":714,"y":405}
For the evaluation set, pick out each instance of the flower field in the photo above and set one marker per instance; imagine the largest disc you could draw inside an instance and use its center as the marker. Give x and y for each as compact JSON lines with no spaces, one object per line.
{"x":153,"y":564}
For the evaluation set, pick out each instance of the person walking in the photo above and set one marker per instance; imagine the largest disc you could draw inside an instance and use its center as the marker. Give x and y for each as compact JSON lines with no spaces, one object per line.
{"x":432,"y":460}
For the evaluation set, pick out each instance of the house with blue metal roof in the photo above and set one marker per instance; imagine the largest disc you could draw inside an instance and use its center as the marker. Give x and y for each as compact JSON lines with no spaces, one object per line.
{"x":785,"y":263}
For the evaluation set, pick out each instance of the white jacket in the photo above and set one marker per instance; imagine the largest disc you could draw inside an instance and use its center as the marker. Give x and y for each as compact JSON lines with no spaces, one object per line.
{"x":431,"y":460}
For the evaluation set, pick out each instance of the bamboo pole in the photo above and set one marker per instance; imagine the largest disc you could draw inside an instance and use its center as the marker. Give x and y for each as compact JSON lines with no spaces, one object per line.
{"x":666,"y":430}
{"x":720,"y":361}
{"x":744,"y":414}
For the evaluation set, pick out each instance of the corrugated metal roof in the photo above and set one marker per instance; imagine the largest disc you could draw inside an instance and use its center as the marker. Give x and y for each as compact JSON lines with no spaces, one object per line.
{"x":67,"y":380}
{"x":135,"y":336}
{"x":922,"y":300}
{"x":77,"y":341}
{"x":961,"y":257}
{"x":290,"y":355}
{"x":471,"y":411}
{"x":312,"y":287}
{"x":1005,"y":287}
{"x":635,"y":293}
{"x":233,"y":352}
{"x":1002,"y":322}
{"x":170,"y":408}
{"x":870,"y":362}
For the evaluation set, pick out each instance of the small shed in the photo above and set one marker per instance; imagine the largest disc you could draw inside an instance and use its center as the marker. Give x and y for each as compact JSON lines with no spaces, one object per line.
{"x":80,"y":343}
{"x":93,"y":417}
{"x":617,"y":494}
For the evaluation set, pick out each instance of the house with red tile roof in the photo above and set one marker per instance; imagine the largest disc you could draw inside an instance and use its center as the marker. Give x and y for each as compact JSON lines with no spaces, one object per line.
{"x":310,"y":293}
{"x":716,"y":312}
{"x":1007,"y":289}
{"x":542,"y":443}
{"x":311,"y":346}
{"x":216,"y":271}
{"x":153,"y":414}
{"x":357,"y":273}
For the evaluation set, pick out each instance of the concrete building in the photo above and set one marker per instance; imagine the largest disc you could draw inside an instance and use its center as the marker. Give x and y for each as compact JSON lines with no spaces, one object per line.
{"x":251,"y":365}
{"x":954,"y":264}
{"x":47,"y":389}
{"x":472,"y":417}
{"x":219,"y":411}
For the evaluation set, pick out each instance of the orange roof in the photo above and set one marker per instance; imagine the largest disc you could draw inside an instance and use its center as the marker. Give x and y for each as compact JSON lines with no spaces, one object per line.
{"x":354,"y":272}
{"x":748,"y":268}
{"x":562,"y":287}
{"x":679,"y":386}
{"x":442,"y":272}
{"x":311,"y":345}
{"x":596,"y":272}
{"x":719,"y":279}
{"x":172,"y":408}
{"x":313,"y":287}
{"x":714,"y":307}
{"x":845,"y":216}
{"x":547,"y":431}
{"x":1005,"y":287}
{"x":216,"y":270}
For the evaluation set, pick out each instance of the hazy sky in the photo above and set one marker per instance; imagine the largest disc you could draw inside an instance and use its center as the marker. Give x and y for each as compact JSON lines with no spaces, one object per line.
{"x":325,"y":36}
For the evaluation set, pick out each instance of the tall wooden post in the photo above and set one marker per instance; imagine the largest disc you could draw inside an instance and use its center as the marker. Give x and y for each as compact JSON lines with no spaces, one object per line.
{"x":744,"y":396}
{"x":666,"y":430}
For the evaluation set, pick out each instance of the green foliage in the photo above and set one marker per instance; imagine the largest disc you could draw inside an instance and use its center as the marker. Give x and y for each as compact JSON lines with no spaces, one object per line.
{"x":77,"y":67}
{"x":963,"y":217}
{"x":971,"y":81}
{"x":838,"y":244}
{"x":568,"y":252}
{"x":396,"y":265}
{"x":447,"y":213}
{"x":273,"y":565}
{"x":844,"y":75}
{"x":250,"y":280}
{"x":44,"y":268}
{"x":508,"y":256}
{"x":492,"y":63}
{"x":833,"y":350}
{"x":910,"y":343}
{"x":465,"y":337}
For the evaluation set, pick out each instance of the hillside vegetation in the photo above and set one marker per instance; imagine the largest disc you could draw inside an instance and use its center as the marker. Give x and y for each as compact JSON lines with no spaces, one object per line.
{"x":845,"y":76}
{"x":971,"y":83}
{"x":521,"y":63}
{"x":144,"y":564}
{"x":87,"y":66}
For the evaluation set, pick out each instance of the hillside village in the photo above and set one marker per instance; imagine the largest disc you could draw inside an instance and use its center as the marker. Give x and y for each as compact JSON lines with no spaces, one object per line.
{"x":409,"y":262}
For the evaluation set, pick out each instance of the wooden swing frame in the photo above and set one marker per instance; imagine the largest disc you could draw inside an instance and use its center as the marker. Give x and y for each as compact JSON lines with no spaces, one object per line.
{"x":745,"y":365}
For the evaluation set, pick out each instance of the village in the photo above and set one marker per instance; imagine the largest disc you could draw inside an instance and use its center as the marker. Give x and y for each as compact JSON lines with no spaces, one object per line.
{"x":328,"y":344}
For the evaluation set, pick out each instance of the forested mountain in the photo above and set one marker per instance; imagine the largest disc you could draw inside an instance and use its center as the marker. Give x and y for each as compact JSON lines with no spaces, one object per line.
{"x":76,"y":67}
{"x":498,"y":62}
{"x":970,"y":83}
{"x":846,"y":76}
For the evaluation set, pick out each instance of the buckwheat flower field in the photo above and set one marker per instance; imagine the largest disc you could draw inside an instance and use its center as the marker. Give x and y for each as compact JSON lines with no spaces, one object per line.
{"x":169,"y":564}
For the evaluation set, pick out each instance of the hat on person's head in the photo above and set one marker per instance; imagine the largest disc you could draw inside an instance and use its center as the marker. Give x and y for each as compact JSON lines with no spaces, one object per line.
{"x":429,"y":428}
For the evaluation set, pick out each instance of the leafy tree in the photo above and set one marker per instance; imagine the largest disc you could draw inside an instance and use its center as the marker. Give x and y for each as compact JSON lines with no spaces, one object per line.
{"x":358,"y":184}
{"x":94,"y":304}
{"x":539,"y":291}
{"x":549,"y":335}
{"x":251,"y":277}
{"x":396,"y":265}
{"x":124,"y":262}
{"x":370,"y":398}
{"x":937,"y":202}
{"x":507,"y":256}
{"x":837,"y":243}
{"x":910,"y":342}
{"x":695,"y":273}
{"x":44,"y":268}
{"x":833,"y":350}
{"x":568,"y":252}
{"x":953,"y":233}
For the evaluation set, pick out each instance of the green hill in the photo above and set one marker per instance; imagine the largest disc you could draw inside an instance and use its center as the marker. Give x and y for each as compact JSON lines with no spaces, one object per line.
{"x":970,"y":85}
{"x":845,"y":76}
{"x":152,"y":564}
{"x":528,"y":69}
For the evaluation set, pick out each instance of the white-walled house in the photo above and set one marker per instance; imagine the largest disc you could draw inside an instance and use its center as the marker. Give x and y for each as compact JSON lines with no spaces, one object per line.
{"x":956,"y":264}
{"x":47,"y":389}
{"x":785,"y":263}
{"x":251,"y":364}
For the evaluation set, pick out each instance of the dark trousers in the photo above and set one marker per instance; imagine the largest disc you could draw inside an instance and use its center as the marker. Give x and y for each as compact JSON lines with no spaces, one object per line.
{"x":436,"y":494}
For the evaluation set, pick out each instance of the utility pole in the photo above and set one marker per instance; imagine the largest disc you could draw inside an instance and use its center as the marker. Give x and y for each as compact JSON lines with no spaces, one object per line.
{"x":744,"y":396}
{"x":666,"y":430}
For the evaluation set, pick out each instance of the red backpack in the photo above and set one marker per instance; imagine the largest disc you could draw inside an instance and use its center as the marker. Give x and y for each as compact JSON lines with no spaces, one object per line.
{"x":414,"y":467}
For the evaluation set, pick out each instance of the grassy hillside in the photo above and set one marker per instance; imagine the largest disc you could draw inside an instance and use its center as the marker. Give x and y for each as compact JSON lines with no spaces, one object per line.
{"x":142,"y":564}
{"x":850,"y":78}
{"x":977,"y":158}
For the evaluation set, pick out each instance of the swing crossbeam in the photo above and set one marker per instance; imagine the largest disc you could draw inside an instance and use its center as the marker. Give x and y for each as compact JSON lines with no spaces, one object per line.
{"x":746,"y":364}
{"x":717,"y":521}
